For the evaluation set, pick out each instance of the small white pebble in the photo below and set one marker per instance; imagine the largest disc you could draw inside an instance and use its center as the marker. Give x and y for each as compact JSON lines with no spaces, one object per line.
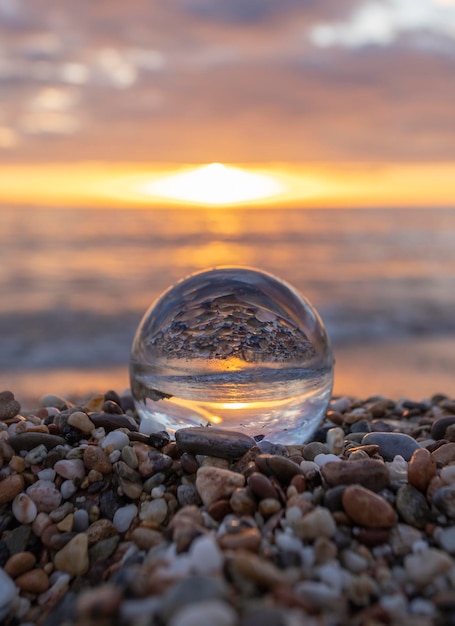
{"x":67,"y":489}
{"x":206,"y":557}
{"x":322,"y":459}
{"x":115,"y":440}
{"x":448,"y":474}
{"x":158,"y":492}
{"x":115,"y":456}
{"x":148,"y":426}
{"x":98,"y":433}
{"x":47,"y":474}
{"x":124,"y":516}
{"x":335,"y":440}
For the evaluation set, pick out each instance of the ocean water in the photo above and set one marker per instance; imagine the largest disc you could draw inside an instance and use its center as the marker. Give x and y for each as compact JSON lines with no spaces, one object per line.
{"x":74,"y":284}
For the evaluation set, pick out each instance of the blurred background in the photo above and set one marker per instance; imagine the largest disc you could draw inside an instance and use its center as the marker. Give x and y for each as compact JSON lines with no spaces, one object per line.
{"x":358,"y":90}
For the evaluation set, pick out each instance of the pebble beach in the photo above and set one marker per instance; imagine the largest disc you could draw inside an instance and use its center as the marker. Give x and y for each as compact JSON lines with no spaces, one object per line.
{"x":103,"y":524}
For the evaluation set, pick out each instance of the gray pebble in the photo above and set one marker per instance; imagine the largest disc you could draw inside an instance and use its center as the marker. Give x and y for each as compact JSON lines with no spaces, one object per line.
{"x":391,"y":444}
{"x":284,"y":469}
{"x":310,"y":450}
{"x":188,"y":494}
{"x":439,"y":426}
{"x":30,"y":440}
{"x":412,"y":506}
{"x":444,"y":500}
{"x":192,"y":589}
{"x":227,"y":444}
{"x":267,"y":447}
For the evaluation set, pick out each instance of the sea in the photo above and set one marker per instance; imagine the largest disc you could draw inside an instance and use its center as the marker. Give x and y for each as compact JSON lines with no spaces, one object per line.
{"x":75,"y":283}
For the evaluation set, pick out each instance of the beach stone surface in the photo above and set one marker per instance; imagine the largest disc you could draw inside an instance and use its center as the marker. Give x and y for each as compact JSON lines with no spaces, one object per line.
{"x":104,"y":524}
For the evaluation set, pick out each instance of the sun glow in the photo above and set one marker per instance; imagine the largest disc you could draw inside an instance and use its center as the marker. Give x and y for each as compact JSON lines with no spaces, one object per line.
{"x":214,"y":184}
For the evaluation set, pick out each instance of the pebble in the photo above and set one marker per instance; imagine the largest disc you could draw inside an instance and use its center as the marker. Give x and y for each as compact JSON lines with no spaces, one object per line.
{"x":444,"y":500}
{"x":392,"y":444}
{"x":8,"y":592}
{"x":227,"y":444}
{"x":423,"y":567}
{"x":73,"y":558}
{"x":244,"y":539}
{"x":44,"y":495}
{"x":24,"y":509}
{"x":370,"y":473}
{"x":335,"y":440}
{"x":312,"y":449}
{"x":95,"y":458}
{"x":440,"y":425}
{"x":206,"y":613}
{"x":412,"y":506}
{"x":445,"y":538}
{"x":146,"y":538}
{"x":258,"y":569}
{"x":284,"y":469}
{"x":317,"y":523}
{"x":205,"y":555}
{"x":70,"y":469}
{"x":261,"y":486}
{"x":115,"y":440}
{"x":81,"y":421}
{"x":111,"y":421}
{"x":368,"y":509}
{"x":323,"y":459}
{"x":10,"y":487}
{"x":9,"y":406}
{"x":445,"y":454}
{"x":153,"y":511}
{"x":194,"y":589}
{"x":30,"y":440}
{"x":214,"y":483}
{"x":19,"y":563}
{"x":421,"y":469}
{"x":447,"y":474}
{"x":36,"y":455}
{"x":124,"y":516}
{"x":34,"y":581}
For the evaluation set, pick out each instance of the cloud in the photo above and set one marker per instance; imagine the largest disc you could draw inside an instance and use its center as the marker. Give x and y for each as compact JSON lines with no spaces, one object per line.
{"x":200,"y":80}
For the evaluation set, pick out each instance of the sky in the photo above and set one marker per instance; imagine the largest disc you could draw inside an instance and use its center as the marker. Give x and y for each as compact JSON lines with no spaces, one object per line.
{"x":196,"y":81}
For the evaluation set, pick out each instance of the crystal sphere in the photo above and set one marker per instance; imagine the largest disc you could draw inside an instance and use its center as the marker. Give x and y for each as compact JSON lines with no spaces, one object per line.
{"x":236,"y":348}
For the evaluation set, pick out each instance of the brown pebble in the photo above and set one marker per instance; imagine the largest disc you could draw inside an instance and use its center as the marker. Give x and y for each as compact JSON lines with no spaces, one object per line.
{"x":445,"y":454}
{"x":261,"y":486}
{"x":259,"y":570}
{"x":219,"y":509}
{"x":281,"y":467}
{"x":421,"y":469}
{"x":242,"y":502}
{"x":95,"y":458}
{"x":246,"y":539}
{"x":101,"y":529}
{"x":368,"y":509}
{"x":269,"y":506}
{"x":146,"y":538}
{"x":370,"y":473}
{"x":371,"y":536}
{"x":47,"y":534}
{"x":9,"y":407}
{"x":73,"y":558}
{"x":19,"y":563}
{"x":214,"y":483}
{"x":104,"y":600}
{"x":10,"y":487}
{"x":298,"y":481}
{"x":34,"y":581}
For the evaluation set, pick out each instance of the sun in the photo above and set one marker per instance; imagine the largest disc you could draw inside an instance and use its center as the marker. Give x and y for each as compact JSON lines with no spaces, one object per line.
{"x":214,"y":184}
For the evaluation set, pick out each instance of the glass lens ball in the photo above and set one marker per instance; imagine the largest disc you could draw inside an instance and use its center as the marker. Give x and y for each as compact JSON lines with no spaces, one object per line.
{"x":235,"y":348}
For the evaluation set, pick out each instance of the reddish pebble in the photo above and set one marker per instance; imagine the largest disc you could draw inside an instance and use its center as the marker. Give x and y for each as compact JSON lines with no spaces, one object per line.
{"x":19,"y":563}
{"x":34,"y":581}
{"x":421,"y":469}
{"x":10,"y":487}
{"x":445,"y":454}
{"x":366,"y":508}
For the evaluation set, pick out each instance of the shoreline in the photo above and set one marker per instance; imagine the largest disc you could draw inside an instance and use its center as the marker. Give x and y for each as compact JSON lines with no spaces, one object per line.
{"x":396,"y":368}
